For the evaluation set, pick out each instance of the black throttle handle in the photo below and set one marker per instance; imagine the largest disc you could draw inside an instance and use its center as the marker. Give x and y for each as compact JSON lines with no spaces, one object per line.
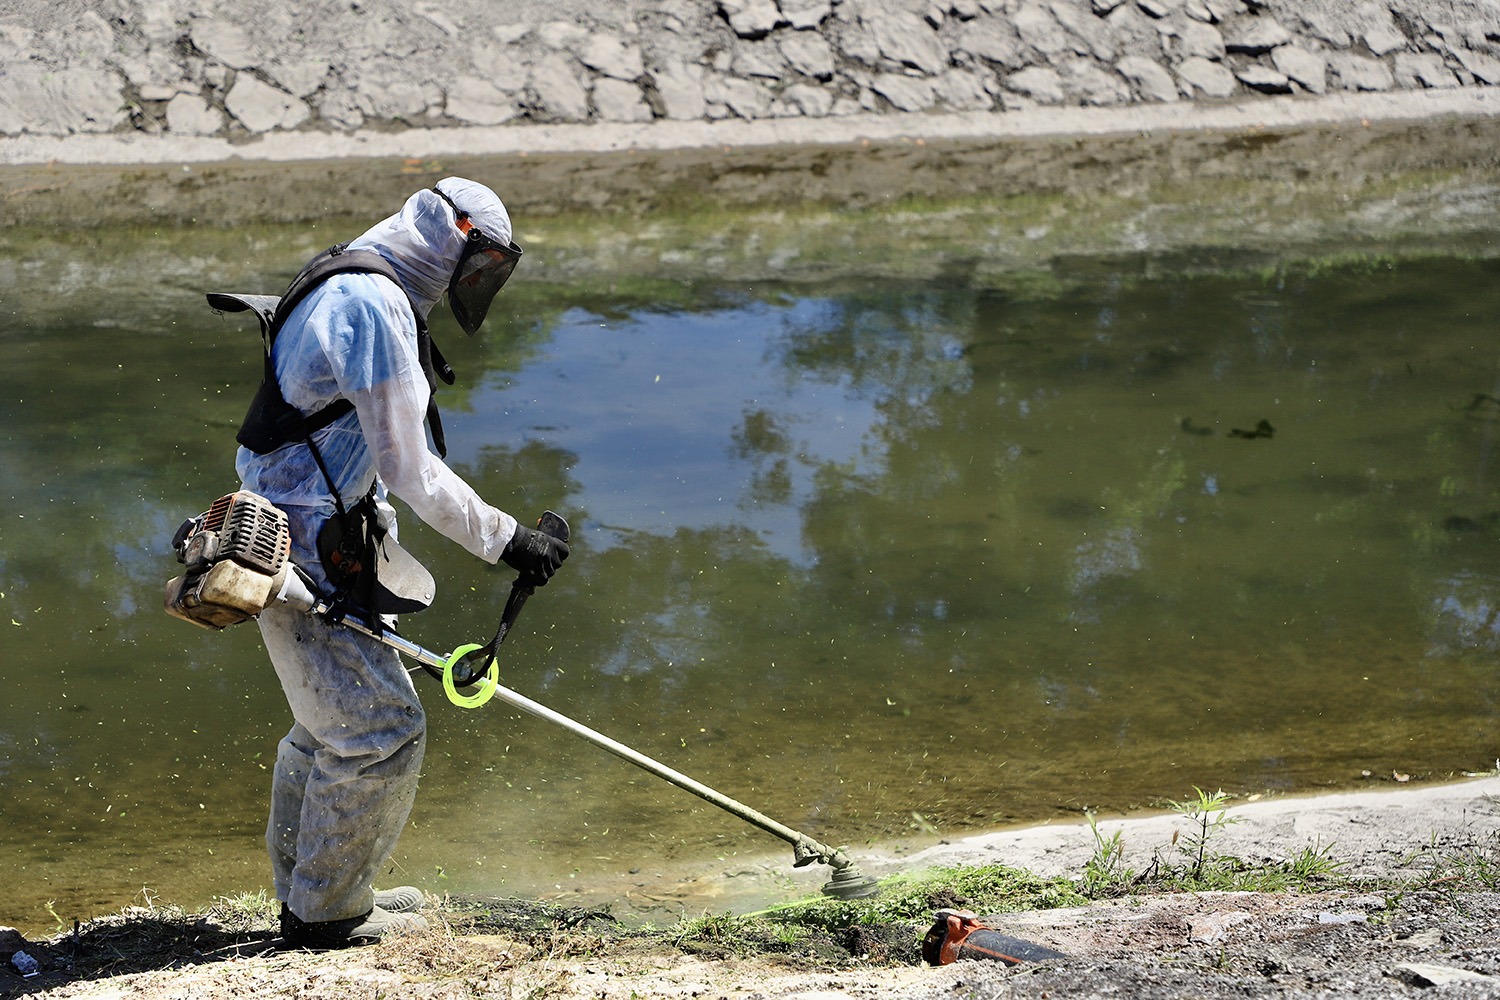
{"x":472,"y":667}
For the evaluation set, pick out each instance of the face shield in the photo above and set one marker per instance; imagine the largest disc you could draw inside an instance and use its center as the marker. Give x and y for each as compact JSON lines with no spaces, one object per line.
{"x":483,"y":268}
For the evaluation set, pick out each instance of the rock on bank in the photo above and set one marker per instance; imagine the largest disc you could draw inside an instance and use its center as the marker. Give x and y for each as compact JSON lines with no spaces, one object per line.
{"x":252,"y":68}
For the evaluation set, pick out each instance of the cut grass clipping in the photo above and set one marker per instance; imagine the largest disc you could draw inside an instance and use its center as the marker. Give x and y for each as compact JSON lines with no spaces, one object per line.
{"x":912,"y":898}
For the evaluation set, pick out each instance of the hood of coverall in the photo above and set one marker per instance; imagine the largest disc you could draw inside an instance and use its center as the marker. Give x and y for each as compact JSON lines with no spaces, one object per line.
{"x":422,"y":241}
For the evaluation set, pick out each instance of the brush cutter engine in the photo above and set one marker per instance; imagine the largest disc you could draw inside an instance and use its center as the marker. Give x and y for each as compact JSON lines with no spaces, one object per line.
{"x":237,"y":559}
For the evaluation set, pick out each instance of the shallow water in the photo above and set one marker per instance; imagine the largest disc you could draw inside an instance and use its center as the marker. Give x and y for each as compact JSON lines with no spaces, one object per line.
{"x":887,"y":559}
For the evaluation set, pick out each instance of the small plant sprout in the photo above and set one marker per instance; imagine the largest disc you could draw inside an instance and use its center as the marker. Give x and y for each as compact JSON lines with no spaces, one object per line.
{"x":1105,"y":869}
{"x":1207,"y":816}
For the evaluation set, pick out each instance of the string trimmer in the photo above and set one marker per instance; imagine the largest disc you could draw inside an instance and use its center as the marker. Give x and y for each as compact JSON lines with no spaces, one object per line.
{"x":233,"y":573}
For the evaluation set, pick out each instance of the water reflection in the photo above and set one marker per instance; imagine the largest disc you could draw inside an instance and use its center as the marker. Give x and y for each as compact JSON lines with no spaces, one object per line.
{"x":1464,"y":615}
{"x":850,"y":551}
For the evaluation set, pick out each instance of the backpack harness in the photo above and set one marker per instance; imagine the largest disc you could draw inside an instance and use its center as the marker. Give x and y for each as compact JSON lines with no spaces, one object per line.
{"x":346,"y":543}
{"x":271,"y":421}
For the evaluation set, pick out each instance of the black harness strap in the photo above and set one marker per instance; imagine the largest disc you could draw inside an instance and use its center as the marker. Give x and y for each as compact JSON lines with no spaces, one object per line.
{"x":271,"y":421}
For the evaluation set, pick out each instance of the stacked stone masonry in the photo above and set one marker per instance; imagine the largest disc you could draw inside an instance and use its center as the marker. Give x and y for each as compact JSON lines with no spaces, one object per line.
{"x":240,"y":68}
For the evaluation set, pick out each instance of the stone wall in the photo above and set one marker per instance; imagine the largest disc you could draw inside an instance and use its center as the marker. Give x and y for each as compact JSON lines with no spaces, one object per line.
{"x":239,"y":68}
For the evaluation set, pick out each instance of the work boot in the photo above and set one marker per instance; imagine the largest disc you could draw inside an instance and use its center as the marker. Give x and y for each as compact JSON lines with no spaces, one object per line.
{"x":402,"y":899}
{"x":351,"y":932}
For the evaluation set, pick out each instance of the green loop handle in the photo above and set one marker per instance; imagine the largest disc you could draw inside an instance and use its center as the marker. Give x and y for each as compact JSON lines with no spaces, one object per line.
{"x":487,"y":688}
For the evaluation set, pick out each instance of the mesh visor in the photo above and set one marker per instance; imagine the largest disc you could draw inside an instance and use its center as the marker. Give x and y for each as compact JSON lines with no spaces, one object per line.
{"x":482,"y":271}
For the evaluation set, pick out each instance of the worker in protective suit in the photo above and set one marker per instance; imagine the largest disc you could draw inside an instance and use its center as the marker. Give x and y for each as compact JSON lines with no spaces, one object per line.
{"x":346,"y":773}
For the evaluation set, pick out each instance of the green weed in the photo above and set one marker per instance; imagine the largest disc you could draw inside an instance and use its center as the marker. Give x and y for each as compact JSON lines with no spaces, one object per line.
{"x":1194,"y":865}
{"x":1105,"y":873}
{"x":911,"y":897}
{"x":1472,"y":866}
{"x":245,"y":909}
{"x":1207,"y":815}
{"x":1313,"y":864}
{"x":716,"y":928}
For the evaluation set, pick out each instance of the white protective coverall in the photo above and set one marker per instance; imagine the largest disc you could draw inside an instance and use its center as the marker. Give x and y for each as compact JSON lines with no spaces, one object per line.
{"x":346,"y":774}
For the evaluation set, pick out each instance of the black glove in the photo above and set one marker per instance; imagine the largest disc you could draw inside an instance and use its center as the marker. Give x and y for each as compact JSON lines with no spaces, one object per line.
{"x":536,"y":555}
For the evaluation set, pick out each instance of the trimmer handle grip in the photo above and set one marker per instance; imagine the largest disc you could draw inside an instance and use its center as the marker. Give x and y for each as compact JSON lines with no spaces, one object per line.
{"x":472,"y":666}
{"x":552,"y":523}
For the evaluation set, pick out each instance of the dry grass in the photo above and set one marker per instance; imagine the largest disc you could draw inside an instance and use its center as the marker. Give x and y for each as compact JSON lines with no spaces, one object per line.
{"x":503,"y":949}
{"x":480,"y":965}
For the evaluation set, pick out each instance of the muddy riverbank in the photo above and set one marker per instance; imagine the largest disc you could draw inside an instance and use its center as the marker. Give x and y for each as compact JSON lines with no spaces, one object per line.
{"x":1254,"y":186}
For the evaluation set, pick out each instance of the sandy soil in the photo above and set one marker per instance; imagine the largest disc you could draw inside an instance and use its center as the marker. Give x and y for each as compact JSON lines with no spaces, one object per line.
{"x":1419,"y":907}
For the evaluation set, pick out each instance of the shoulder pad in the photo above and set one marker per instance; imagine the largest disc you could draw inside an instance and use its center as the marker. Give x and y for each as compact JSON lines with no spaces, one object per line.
{"x":264,"y":306}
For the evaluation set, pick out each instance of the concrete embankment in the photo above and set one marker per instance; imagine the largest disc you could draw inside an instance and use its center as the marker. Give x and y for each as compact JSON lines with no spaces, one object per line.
{"x":169,"y":111}
{"x":238,"y":70}
{"x":213,"y":93}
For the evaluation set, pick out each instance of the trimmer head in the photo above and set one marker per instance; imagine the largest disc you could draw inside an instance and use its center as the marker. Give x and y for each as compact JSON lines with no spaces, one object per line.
{"x":848,"y":883}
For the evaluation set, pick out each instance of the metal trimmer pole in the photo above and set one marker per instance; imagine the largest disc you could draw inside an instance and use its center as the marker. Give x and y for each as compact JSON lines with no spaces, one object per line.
{"x":846,"y":882}
{"x":386,"y":637}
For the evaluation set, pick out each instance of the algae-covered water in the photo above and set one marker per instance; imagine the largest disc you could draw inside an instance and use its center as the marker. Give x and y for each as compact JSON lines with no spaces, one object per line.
{"x":891,"y":544}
